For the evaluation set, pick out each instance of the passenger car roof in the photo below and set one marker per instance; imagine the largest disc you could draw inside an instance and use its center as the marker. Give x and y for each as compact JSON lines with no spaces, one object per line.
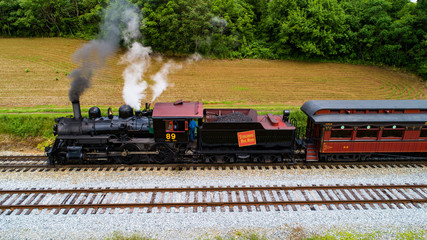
{"x":311,"y":108}
{"x":371,"y":118}
{"x":178,"y":109}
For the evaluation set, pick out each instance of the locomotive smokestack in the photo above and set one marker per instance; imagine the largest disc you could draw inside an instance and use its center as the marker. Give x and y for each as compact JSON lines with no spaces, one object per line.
{"x":76,"y":110}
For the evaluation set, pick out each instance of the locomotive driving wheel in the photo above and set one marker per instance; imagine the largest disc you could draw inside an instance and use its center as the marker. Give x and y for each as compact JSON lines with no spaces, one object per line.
{"x":126,"y":154}
{"x":258,"y":158}
{"x":228,"y":158}
{"x":275,"y":158}
{"x":166,"y":155}
{"x":209,"y":158}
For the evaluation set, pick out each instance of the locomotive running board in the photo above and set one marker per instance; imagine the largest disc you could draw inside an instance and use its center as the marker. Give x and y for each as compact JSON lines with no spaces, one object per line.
{"x":120,"y":154}
{"x":140,"y":141}
{"x":142,"y":153}
{"x":244,"y":152}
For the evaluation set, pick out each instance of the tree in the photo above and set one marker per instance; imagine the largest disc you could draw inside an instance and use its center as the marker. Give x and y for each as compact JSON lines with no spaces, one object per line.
{"x":392,"y":32}
{"x":176,"y":26}
{"x":233,"y":28}
{"x":8,"y":9}
{"x":309,"y":28}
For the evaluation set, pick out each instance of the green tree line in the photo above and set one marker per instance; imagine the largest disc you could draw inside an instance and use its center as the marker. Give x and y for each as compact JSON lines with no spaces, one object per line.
{"x":391,"y":32}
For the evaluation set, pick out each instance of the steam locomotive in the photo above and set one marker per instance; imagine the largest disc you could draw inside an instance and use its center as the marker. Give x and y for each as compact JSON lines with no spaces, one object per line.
{"x":340,"y":130}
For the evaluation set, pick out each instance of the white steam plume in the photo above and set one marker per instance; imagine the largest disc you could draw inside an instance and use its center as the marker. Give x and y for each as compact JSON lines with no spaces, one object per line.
{"x":139,"y":59}
{"x":195,"y":57}
{"x":219,"y":23}
{"x":160,"y":78}
{"x":131,"y":33}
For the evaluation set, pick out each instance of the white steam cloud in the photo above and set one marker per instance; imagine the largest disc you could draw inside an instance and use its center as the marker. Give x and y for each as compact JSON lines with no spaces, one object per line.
{"x":219,"y":23}
{"x":138,"y":58}
{"x":161,"y":78}
{"x":121,"y":21}
{"x":195,"y":57}
{"x":131,"y":33}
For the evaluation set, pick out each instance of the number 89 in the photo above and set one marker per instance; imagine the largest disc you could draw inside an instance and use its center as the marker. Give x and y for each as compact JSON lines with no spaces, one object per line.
{"x":170,"y":136}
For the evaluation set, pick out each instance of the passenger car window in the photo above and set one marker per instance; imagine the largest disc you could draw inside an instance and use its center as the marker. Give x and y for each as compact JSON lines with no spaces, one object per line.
{"x":393,"y":132}
{"x":367,"y":133}
{"x":342,"y":132}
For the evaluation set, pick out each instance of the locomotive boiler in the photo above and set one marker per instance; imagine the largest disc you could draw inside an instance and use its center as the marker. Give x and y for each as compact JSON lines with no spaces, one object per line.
{"x":121,"y":138}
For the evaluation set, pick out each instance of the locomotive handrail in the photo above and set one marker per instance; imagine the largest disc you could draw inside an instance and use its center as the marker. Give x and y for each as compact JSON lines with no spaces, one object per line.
{"x":298,"y":129}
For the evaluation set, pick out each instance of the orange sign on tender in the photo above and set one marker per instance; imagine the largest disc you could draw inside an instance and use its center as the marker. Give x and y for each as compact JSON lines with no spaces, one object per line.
{"x":246,"y":138}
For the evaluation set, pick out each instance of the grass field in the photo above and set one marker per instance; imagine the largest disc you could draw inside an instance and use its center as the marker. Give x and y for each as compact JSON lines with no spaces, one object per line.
{"x":34,"y":72}
{"x":34,"y":81}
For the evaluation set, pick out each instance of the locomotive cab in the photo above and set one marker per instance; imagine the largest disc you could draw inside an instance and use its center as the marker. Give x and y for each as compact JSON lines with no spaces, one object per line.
{"x":171,"y":130}
{"x":171,"y":123}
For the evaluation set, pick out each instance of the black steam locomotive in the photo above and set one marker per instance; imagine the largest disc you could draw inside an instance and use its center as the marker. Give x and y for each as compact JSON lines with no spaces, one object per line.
{"x":336,"y":130}
{"x":162,"y":135}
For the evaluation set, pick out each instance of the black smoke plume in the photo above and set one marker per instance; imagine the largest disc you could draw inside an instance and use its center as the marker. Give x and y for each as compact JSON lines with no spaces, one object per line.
{"x":93,"y":55}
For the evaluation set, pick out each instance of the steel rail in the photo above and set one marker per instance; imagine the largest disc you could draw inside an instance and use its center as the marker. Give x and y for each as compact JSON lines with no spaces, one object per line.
{"x":23,"y":158}
{"x":210,"y":204}
{"x":391,"y":198}
{"x":211,"y":189}
{"x":10,"y":164}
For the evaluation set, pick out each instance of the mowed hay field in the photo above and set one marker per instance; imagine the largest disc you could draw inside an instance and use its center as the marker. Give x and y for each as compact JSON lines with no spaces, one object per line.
{"x":34,"y":72}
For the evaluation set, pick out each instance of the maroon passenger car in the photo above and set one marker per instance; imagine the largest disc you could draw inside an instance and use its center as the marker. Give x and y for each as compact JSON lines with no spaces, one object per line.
{"x":366,"y":129}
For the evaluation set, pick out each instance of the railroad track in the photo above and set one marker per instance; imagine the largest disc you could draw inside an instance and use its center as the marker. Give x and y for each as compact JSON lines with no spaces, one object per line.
{"x":22,"y":161}
{"x":203,"y":199}
{"x":38,"y":163}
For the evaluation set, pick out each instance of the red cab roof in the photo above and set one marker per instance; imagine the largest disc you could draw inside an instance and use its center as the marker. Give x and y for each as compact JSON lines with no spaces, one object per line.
{"x":178,"y":109}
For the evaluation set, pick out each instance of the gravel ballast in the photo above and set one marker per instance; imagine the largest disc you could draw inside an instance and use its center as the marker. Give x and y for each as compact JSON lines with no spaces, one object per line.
{"x":176,"y":178}
{"x":189,"y":225}
{"x":193,"y":225}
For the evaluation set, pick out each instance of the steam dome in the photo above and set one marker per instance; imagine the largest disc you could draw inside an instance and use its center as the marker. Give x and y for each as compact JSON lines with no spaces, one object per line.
{"x":125,"y":111}
{"x":94,"y":112}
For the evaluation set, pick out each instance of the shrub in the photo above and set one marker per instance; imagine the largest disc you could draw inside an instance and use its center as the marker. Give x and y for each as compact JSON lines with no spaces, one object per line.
{"x":27,"y":125}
